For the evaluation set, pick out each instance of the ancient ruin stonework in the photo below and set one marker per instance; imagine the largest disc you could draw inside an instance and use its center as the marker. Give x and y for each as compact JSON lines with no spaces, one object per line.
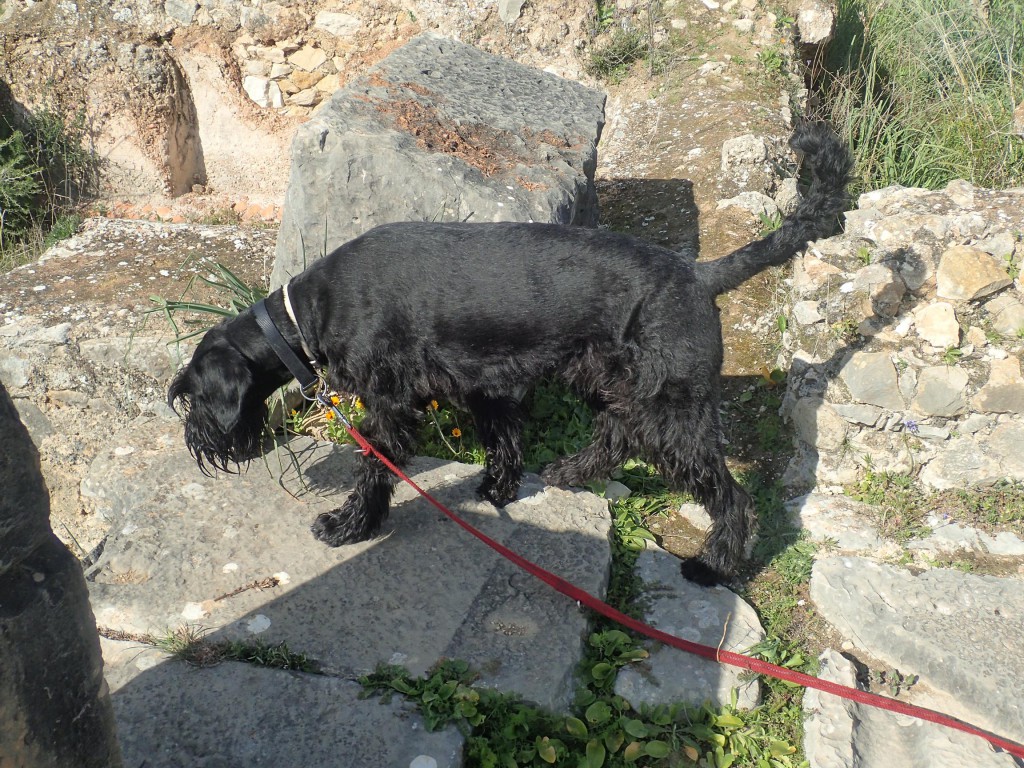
{"x":440,"y":131}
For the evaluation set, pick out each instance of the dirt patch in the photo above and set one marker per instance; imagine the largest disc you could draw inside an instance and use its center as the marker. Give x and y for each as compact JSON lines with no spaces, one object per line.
{"x":660,"y":177}
{"x":490,"y":150}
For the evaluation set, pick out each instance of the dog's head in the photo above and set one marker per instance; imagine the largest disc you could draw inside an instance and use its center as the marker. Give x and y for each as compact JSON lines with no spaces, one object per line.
{"x":224,"y":407}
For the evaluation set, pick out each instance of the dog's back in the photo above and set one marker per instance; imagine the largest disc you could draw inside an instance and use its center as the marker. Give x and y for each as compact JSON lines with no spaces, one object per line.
{"x":502,"y":287}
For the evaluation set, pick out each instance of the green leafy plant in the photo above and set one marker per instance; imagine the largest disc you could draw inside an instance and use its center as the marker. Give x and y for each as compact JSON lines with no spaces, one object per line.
{"x":189,"y":643}
{"x":63,"y":228}
{"x":999,"y":507}
{"x":20,"y":186}
{"x":773,"y":61}
{"x":769,"y":222}
{"x":952,"y":355}
{"x":613,"y":60}
{"x":844,"y":330}
{"x":901,"y":505}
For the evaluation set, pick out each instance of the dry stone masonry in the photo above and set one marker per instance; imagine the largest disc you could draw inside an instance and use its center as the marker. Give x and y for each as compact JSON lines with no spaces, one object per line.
{"x":906,"y":338}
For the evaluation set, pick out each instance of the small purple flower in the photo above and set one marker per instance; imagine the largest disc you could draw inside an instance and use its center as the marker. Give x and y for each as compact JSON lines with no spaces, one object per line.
{"x":911,"y":426}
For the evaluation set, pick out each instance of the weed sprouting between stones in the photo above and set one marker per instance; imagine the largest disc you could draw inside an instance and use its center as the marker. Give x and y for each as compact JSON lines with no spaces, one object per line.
{"x":189,"y":643}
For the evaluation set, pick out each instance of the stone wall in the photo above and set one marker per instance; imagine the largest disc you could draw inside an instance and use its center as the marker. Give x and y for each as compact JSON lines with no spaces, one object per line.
{"x":203,"y":95}
{"x":905,"y":337}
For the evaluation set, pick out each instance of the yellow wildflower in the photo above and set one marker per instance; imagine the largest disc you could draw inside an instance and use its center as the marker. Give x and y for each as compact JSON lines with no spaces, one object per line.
{"x":456,"y":432}
{"x":335,"y":399}
{"x":433,"y":404}
{"x":329,"y":415}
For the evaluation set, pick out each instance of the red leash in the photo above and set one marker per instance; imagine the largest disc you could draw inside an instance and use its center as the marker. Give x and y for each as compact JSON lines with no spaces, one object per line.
{"x":714,"y":654}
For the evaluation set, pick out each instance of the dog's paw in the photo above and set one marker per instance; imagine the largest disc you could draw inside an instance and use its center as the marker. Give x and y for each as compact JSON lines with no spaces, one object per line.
{"x":489,"y":491}
{"x":338,"y":527}
{"x":696,"y":570}
{"x":563,"y":474}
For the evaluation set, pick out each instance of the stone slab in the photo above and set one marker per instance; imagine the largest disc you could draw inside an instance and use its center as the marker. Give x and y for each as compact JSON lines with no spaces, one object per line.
{"x":235,"y":715}
{"x":181,"y":542}
{"x":711,"y":616}
{"x":843,"y":734}
{"x":839,"y":519}
{"x":439,"y":131}
{"x":959,"y":632}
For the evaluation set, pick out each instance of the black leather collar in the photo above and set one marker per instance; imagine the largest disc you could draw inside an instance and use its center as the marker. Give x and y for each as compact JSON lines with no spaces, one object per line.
{"x":301,"y":370}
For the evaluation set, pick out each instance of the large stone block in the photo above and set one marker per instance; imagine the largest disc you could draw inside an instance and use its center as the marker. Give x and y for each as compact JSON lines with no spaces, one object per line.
{"x":440,"y":131}
{"x":54,"y":708}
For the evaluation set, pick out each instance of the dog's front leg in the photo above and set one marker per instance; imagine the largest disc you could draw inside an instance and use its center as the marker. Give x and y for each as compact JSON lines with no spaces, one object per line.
{"x":392,"y":431}
{"x":499,"y":424}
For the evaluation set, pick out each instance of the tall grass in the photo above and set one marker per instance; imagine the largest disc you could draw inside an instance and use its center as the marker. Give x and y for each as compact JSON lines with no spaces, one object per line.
{"x":925,"y":90}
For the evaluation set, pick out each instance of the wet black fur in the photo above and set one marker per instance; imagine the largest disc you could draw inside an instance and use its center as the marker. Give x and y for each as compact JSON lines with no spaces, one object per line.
{"x":474,"y":313}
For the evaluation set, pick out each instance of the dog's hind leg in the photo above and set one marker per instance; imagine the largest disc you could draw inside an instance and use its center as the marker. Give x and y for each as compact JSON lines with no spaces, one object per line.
{"x":391,"y":429}
{"x":683,"y":441}
{"x":499,"y":425}
{"x":608,"y":450}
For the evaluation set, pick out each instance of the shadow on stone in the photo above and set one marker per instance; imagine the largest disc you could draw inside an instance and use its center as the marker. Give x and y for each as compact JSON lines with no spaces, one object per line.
{"x":54,"y":707}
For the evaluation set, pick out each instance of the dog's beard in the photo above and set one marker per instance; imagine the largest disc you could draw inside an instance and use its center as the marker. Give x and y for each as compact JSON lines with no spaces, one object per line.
{"x":225,"y":451}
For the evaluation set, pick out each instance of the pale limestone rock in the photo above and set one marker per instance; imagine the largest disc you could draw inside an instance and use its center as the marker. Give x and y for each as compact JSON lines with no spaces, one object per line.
{"x":842,"y":734}
{"x":304,"y":80}
{"x":744,"y":152}
{"x":855,"y":413}
{"x":871,"y":378}
{"x":1006,"y":312}
{"x":307,"y":58}
{"x":509,"y":10}
{"x":941,"y":391}
{"x":968,"y":273}
{"x":256,"y":89}
{"x":757,"y":203}
{"x":274,"y":96}
{"x":811,"y":273}
{"x":961,"y":192}
{"x":1000,"y":245}
{"x":838,"y":518}
{"x":816,"y":423}
{"x":787,"y":198}
{"x":306,"y":98}
{"x":1004,"y":390}
{"x":815,"y":21}
{"x":883,"y":289}
{"x":806,"y":313}
{"x":937,"y":324}
{"x":338,"y":24}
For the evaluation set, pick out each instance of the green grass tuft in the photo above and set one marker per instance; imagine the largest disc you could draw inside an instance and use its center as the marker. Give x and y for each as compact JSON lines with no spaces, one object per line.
{"x":924,"y":90}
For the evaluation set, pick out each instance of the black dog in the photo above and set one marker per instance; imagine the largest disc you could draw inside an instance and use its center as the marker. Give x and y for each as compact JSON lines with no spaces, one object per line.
{"x":472,"y":313}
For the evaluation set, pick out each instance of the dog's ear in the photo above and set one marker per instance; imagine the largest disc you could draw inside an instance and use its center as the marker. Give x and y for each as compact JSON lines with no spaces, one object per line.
{"x":224,"y":413}
{"x":220,"y":385}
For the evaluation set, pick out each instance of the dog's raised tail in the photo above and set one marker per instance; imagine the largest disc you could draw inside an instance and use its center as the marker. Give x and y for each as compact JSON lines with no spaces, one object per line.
{"x":815,"y":216}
